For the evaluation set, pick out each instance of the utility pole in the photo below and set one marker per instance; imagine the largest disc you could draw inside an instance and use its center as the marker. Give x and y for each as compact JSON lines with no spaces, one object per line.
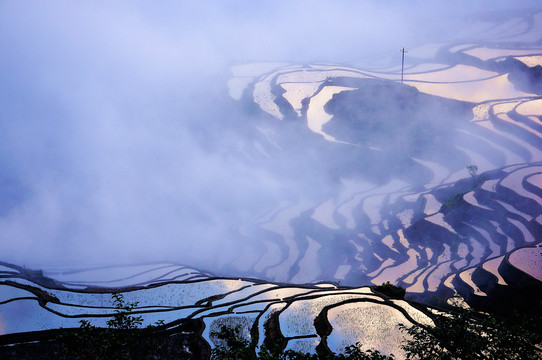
{"x":402,"y":63}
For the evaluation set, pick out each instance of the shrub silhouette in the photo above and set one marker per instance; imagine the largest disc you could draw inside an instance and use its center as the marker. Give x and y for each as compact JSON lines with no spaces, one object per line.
{"x":122,"y":339}
{"x":390,"y":290}
{"x":466,"y":334}
{"x":234,"y":346}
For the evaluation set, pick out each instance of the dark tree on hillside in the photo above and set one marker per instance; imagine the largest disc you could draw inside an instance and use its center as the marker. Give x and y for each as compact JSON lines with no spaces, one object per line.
{"x":466,"y":334}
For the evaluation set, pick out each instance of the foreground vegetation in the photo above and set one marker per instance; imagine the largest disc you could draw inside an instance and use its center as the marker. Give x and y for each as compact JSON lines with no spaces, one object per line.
{"x":123,"y":339}
{"x":457,"y":334}
{"x":234,"y":346}
{"x":467,"y":334}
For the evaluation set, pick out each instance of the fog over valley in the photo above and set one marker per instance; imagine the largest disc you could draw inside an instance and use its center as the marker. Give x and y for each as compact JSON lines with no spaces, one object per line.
{"x":345,"y":143}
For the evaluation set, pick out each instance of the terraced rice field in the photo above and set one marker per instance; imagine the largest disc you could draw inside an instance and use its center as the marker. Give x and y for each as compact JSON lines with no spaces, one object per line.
{"x":405,"y":209}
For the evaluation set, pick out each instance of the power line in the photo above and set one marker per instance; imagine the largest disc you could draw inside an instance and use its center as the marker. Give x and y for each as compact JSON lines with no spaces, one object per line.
{"x":402,"y":63}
